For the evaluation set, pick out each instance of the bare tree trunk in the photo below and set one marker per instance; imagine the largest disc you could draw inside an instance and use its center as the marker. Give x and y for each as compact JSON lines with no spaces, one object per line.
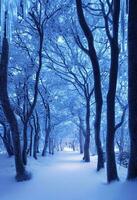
{"x":25,"y":143}
{"x":50,"y":151}
{"x":33,"y":104}
{"x":73,"y":145}
{"x":80,"y":140}
{"x":47,"y":128}
{"x":6,"y":140}
{"x":132,"y":89}
{"x":100,"y":163}
{"x":52,"y":146}
{"x":36,"y":136}
{"x":111,"y":127}
{"x":31,"y":139}
{"x":91,"y":52}
{"x":87,"y":138}
{"x":60,"y":145}
{"x":21,"y":174}
{"x":46,"y":143}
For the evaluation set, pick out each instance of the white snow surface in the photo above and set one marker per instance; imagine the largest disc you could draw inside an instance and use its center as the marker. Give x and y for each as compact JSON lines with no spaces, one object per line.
{"x":63,"y":176}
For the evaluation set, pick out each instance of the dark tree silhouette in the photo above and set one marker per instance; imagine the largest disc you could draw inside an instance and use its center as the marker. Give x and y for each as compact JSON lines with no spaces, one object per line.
{"x":132,"y":89}
{"x":91,"y":52}
{"x":21,"y":173}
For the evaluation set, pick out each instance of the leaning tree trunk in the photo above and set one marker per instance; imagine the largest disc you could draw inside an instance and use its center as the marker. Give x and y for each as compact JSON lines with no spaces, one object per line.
{"x":4,"y":98}
{"x":132,"y":89}
{"x":91,"y":52}
{"x":111,"y":127}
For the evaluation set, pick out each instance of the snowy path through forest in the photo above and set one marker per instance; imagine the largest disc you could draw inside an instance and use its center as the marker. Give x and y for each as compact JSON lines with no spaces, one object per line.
{"x":62,"y":177}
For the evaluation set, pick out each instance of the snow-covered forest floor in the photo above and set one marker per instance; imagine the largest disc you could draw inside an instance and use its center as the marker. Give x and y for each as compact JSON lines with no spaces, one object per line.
{"x":63,"y":177}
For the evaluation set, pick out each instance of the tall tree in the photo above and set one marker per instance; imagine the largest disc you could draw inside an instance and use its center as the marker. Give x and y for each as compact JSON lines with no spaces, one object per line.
{"x":21,"y":173}
{"x":38,"y":22}
{"x":132,"y":87}
{"x":97,"y":80}
{"x":114,"y":12}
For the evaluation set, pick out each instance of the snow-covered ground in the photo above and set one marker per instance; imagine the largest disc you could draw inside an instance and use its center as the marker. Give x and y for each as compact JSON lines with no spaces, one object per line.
{"x":63,"y":176}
